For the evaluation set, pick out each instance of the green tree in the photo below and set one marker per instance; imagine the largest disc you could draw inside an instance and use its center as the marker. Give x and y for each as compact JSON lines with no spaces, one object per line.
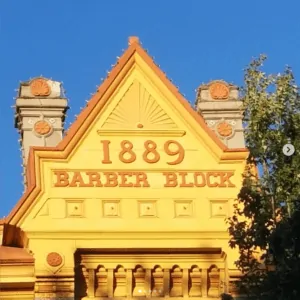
{"x":266,"y":216}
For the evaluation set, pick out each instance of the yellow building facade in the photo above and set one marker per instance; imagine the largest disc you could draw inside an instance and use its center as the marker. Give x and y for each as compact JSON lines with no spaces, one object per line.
{"x":131,"y":201}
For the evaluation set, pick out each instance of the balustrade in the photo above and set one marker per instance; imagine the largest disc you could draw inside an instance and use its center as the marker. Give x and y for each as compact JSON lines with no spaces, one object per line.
{"x":157,"y":282}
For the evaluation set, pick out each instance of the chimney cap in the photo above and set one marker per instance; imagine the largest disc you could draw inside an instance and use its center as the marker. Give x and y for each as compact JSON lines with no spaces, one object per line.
{"x":217,"y":90}
{"x":40,"y":87}
{"x":205,"y":86}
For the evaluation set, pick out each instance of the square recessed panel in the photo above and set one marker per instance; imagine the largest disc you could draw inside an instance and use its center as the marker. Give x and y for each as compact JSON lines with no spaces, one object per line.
{"x":111,"y":208}
{"x":75,"y":208}
{"x":147,"y":208}
{"x":183,"y":208}
{"x":219,"y":208}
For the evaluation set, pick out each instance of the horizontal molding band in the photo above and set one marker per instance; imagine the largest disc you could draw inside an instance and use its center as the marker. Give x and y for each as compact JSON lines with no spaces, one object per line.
{"x":136,"y":235}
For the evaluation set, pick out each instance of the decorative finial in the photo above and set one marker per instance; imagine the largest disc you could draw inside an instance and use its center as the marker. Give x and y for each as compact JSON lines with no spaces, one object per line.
{"x":133,"y":40}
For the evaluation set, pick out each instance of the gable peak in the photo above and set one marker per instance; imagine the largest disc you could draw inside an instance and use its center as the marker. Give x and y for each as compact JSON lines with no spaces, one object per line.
{"x":133,"y":40}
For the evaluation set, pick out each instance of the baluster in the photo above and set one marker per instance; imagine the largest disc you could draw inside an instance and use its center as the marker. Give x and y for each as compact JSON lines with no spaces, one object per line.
{"x":120,"y":275}
{"x":214,"y":282}
{"x":176,"y":282}
{"x":196,"y":282}
{"x":139,"y":282}
{"x":158,"y":282}
{"x":101,"y":276}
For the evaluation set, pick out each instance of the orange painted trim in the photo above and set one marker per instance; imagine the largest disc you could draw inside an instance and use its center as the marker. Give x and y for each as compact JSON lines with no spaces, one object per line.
{"x":34,"y":188}
{"x":97,"y":97}
{"x":31,"y":185}
{"x":236,"y":150}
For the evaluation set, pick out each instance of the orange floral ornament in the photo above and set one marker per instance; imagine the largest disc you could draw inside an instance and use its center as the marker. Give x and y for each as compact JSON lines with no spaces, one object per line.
{"x":224,"y":129}
{"x":219,"y":91}
{"x":42,"y":127}
{"x":40,"y":87}
{"x":54,"y":259}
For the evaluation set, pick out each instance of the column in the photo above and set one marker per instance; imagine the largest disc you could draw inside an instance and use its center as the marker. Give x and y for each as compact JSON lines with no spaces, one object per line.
{"x":91,"y":283}
{"x":185,"y":283}
{"x":110,"y":283}
{"x":167,"y":282}
{"x":148,"y":283}
{"x":204,"y":283}
{"x":223,"y":287}
{"x":129,"y":283}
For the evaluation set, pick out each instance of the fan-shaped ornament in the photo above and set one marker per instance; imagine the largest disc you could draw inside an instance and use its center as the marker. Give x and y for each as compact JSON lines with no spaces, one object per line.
{"x":40,"y":87}
{"x":142,"y":111}
{"x":219,"y":91}
{"x":42,"y":127}
{"x":224,"y":129}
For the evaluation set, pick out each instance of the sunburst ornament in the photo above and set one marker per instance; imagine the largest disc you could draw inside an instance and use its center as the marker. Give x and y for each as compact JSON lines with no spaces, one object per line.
{"x":138,"y":110}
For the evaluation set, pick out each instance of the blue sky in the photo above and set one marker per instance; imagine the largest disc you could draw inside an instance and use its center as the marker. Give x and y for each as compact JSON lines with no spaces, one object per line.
{"x":77,"y":41}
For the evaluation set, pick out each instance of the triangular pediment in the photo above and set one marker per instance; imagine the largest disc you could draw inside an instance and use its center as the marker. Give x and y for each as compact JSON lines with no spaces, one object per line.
{"x":136,"y":100}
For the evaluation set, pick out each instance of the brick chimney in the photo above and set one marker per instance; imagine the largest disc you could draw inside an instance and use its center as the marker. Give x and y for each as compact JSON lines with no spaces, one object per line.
{"x":219,"y":104}
{"x":40,"y":113}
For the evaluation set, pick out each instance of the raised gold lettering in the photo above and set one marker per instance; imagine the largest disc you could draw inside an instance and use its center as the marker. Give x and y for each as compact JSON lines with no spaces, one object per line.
{"x":111,"y":179}
{"x":221,"y":179}
{"x":199,"y":182}
{"x":62,"y":179}
{"x":225,"y":179}
{"x":141,"y":177}
{"x":209,"y":180}
{"x":150,"y":155}
{"x":94,"y":179}
{"x":183,"y":180}
{"x":124,"y":177}
{"x":77,"y":180}
{"x":171,"y":179}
